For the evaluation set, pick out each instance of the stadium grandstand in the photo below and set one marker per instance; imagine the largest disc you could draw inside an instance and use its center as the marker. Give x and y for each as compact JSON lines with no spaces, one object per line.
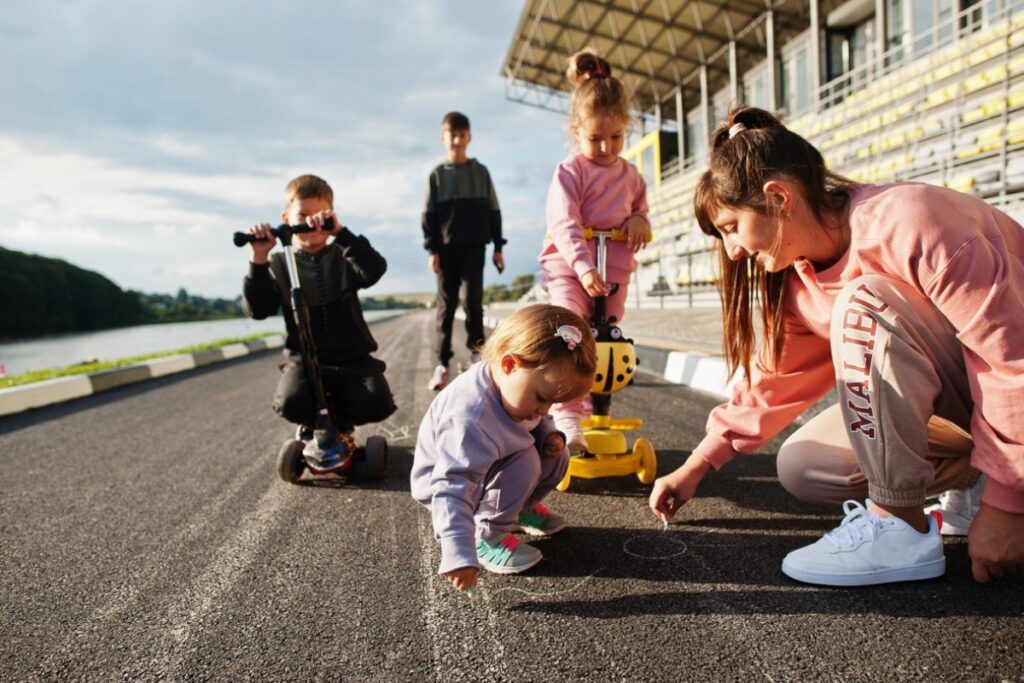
{"x":922,"y":90}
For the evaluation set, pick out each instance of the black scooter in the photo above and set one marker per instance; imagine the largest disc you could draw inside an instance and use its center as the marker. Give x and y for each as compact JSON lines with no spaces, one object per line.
{"x":325,"y":452}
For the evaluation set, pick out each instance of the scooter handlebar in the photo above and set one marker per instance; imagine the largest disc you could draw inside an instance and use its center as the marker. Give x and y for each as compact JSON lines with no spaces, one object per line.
{"x":282,"y":231}
{"x":614,"y":234}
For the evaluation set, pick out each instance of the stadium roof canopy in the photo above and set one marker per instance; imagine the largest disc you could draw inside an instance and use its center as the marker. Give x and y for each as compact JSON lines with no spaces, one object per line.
{"x":657,"y":46}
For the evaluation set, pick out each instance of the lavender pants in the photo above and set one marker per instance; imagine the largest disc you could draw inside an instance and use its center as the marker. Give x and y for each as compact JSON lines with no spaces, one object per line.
{"x":513,"y":484}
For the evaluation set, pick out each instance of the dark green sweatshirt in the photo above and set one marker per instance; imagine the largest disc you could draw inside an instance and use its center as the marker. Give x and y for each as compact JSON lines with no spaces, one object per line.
{"x":461,"y":207}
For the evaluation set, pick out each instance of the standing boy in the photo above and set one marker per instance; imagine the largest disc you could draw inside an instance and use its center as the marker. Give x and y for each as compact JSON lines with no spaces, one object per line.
{"x":460,"y":217}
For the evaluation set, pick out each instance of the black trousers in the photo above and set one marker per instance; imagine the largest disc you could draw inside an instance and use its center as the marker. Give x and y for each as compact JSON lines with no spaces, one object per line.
{"x":461,"y":265}
{"x":358,"y":394}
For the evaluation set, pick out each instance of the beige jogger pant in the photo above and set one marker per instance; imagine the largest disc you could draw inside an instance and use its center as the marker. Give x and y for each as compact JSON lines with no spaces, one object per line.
{"x":900,"y":429}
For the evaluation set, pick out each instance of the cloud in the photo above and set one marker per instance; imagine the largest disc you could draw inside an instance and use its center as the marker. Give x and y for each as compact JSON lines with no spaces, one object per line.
{"x":137,"y":136}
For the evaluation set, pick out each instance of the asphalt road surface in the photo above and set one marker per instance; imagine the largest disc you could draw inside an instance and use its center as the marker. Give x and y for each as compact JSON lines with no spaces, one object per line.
{"x":146,"y":536}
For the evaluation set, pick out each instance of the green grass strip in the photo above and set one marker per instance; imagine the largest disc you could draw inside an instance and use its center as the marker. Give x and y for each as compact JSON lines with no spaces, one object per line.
{"x":85,"y":368}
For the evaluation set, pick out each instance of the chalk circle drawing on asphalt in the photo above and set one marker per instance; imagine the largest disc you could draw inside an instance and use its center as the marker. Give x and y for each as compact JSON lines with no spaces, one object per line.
{"x":655,"y":545}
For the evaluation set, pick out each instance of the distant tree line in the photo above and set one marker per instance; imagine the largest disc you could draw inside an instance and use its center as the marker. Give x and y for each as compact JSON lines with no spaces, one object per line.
{"x":387,"y":303}
{"x":521,"y":284}
{"x":44,"y":296}
{"x":185,"y":307}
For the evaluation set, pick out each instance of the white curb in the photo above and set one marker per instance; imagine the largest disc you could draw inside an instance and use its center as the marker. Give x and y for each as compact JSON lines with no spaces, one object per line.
{"x":170,"y":365}
{"x":37,"y":394}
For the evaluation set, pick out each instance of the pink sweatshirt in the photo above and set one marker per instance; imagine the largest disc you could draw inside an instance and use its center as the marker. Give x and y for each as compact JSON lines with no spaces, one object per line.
{"x":587,"y":195}
{"x":964,"y":256}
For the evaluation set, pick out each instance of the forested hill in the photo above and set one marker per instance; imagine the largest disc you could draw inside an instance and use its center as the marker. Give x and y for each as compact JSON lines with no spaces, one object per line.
{"x":44,"y":296}
{"x":50,"y":296}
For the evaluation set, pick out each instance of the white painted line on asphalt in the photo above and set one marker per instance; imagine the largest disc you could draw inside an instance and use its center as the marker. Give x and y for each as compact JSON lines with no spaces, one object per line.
{"x":37,"y":394}
{"x":170,"y":365}
{"x":208,"y":592}
{"x":144,"y":581}
{"x":432,"y":617}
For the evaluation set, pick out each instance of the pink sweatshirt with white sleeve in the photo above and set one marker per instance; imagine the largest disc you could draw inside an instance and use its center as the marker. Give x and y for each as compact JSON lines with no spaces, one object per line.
{"x":587,"y":195}
{"x":967,"y":258}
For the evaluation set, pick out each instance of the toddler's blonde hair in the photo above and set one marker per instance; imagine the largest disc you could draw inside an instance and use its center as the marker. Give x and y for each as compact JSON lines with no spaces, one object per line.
{"x":529,"y":334}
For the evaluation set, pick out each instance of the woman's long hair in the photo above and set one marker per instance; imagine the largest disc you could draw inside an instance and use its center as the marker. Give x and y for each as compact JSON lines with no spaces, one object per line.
{"x":747,"y":150}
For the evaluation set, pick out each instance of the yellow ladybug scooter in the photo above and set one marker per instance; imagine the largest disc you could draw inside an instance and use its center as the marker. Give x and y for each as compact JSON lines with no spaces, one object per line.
{"x":608,"y":453}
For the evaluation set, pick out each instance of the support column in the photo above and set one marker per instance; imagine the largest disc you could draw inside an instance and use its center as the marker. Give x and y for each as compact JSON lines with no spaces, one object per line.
{"x":734,"y":84}
{"x":881,"y":33}
{"x":705,"y":107}
{"x":681,"y":127}
{"x":769,"y":37}
{"x":817,"y":63}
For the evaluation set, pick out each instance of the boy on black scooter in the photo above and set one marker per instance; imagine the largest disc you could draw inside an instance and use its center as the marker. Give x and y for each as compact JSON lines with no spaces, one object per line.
{"x":330,"y":275}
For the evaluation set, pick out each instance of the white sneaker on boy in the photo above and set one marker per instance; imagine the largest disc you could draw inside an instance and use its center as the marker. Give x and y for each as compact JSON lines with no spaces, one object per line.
{"x":869,"y":547}
{"x":958,"y":508}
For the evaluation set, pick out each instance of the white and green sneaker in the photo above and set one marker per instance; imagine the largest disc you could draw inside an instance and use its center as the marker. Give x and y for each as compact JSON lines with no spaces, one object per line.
{"x":506,"y":555}
{"x":540,"y":520}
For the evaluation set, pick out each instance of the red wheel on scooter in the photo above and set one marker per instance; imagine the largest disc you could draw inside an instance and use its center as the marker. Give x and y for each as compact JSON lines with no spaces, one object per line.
{"x":290,"y":462}
{"x":376,"y":453}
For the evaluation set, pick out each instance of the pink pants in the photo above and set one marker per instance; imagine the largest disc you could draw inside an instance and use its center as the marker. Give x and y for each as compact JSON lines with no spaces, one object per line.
{"x":568,"y":292}
{"x":900,"y":430}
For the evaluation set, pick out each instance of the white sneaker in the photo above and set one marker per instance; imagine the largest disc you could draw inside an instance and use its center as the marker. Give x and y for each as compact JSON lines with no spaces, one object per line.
{"x":438,"y":379}
{"x":869,"y":547}
{"x":958,"y":508}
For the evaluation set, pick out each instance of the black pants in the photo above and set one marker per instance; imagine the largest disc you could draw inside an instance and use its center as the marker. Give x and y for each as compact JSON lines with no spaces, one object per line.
{"x":358,"y":394}
{"x":460,"y":264}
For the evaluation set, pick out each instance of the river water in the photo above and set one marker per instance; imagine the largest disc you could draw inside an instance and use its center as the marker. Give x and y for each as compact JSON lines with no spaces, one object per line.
{"x":60,"y":351}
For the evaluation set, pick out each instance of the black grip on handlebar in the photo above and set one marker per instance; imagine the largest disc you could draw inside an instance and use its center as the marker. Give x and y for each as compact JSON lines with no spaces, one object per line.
{"x":282,"y":231}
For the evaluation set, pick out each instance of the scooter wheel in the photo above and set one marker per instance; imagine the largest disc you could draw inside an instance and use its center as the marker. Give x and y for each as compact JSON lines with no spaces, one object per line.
{"x":376,"y":452}
{"x":290,"y":462}
{"x":648,"y":461}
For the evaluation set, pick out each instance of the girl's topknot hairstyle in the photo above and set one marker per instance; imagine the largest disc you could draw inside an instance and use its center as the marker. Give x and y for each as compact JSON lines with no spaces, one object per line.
{"x":595,"y":90}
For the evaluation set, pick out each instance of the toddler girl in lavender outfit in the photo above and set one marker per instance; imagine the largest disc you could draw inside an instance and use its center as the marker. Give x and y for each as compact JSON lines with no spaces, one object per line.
{"x":487,"y":452}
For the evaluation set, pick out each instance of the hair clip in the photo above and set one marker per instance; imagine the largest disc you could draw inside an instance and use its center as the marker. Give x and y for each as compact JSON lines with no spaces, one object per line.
{"x":736,"y":129}
{"x":570,"y":334}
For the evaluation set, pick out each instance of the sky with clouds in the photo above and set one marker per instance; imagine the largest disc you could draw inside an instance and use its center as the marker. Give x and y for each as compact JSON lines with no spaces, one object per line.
{"x":137,"y":135}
